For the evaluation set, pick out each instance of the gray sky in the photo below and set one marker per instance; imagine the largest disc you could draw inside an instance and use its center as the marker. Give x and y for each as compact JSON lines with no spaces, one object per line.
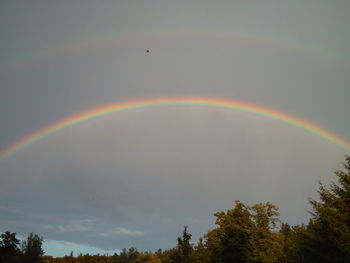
{"x":136,"y":178}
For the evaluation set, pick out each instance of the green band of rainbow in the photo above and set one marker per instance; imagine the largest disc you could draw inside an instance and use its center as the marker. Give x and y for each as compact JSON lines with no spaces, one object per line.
{"x":153,"y":102}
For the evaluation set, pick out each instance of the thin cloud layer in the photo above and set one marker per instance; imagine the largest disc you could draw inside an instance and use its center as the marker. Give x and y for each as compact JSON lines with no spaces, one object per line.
{"x":121,"y":231}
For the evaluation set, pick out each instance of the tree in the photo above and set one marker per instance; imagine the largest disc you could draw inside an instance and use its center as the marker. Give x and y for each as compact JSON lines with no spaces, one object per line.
{"x":201,"y":252}
{"x":147,"y":257}
{"x":327,"y":238}
{"x":8,"y":247}
{"x":291,"y":238}
{"x":128,"y":256}
{"x":266,"y":243}
{"x":229,"y":242}
{"x":184,"y":249}
{"x":246,"y":234}
{"x":32,"y":249}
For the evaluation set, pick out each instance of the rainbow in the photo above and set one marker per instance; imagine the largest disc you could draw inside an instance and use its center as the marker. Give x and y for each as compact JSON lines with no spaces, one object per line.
{"x":172,"y":101}
{"x":102,"y":42}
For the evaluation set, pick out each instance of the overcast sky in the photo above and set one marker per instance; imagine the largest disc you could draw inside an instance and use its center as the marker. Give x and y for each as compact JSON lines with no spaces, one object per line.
{"x":136,"y":178}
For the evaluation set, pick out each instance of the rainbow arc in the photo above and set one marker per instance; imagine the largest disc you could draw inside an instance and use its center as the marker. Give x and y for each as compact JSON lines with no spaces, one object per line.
{"x":172,"y":101}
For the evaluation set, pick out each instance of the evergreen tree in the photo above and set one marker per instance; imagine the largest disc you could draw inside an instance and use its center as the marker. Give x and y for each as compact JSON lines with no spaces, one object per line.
{"x":184,"y":249}
{"x":327,"y":238}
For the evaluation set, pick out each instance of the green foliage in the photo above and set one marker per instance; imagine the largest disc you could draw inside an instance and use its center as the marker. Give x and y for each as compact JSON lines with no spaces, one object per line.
{"x":147,"y":257}
{"x":291,"y":237}
{"x":184,"y":250}
{"x":246,"y":234}
{"x":128,"y":256}
{"x":229,"y":241}
{"x":201,"y":253}
{"x":266,"y":243}
{"x":328,"y":233}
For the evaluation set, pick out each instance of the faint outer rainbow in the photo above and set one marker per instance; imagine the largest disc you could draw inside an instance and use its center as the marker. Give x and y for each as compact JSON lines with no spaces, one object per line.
{"x":175,"y":101}
{"x":102,"y":42}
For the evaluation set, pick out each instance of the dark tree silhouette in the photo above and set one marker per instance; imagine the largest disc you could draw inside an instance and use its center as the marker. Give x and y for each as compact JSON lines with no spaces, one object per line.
{"x":32,"y":249}
{"x":184,"y":249}
{"x":8,"y":247}
{"x":327,"y":238}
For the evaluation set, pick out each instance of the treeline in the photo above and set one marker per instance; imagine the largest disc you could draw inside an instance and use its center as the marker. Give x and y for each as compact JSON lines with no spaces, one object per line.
{"x":13,"y":251}
{"x":243,"y":234}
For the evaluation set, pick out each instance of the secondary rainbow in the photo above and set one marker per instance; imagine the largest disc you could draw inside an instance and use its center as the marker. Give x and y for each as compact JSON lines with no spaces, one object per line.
{"x":172,"y":101}
{"x":101,"y":42}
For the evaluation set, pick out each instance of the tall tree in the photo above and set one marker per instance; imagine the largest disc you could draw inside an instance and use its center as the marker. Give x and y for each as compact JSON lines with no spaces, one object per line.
{"x":291,"y":242}
{"x":8,"y":247}
{"x":32,"y":249}
{"x":327,"y":238}
{"x":229,"y":242}
{"x":184,"y":249}
{"x":266,"y":243}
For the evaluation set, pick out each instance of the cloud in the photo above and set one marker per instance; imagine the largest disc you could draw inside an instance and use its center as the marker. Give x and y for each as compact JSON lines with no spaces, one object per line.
{"x":121,"y":231}
{"x":63,"y":242}
{"x":76,"y":225}
{"x":9,"y":209}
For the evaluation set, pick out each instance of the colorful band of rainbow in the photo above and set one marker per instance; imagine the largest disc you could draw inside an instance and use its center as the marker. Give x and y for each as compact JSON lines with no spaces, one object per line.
{"x":156,"y":102}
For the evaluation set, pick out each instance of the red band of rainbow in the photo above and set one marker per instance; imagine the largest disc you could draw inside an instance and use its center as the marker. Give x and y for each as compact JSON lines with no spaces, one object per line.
{"x":156,"y":102}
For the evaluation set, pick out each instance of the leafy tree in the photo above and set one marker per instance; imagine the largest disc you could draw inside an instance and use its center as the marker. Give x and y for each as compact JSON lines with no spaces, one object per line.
{"x":266,"y":243}
{"x":32,"y":249}
{"x":128,"y":256}
{"x":201,"y":252}
{"x":246,"y":234}
{"x":290,"y":236}
{"x":167,"y":255}
{"x":229,"y":241}
{"x":147,"y":257}
{"x":9,"y":247}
